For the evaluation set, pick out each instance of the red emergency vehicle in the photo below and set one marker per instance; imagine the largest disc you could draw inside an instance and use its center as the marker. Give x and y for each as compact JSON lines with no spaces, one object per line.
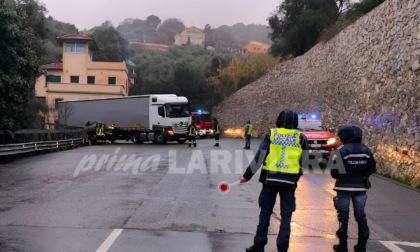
{"x":321,"y":140}
{"x":203,"y":123}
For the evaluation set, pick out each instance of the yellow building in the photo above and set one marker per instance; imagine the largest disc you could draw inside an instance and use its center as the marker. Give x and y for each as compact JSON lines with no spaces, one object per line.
{"x":191,"y":35}
{"x":78,"y":77}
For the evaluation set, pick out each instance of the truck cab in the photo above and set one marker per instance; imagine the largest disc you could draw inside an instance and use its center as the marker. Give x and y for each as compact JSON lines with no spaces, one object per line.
{"x":169,"y":118}
{"x":321,"y":140}
{"x":203,"y":123}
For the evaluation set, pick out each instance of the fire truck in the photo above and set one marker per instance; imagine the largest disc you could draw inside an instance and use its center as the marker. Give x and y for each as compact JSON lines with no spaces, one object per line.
{"x":321,"y":139}
{"x":203,"y":123}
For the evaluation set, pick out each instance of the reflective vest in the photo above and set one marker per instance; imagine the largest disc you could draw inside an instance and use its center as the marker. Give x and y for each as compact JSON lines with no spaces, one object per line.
{"x":248,"y":129}
{"x":191,"y":130}
{"x":285,"y":151}
{"x":216,"y":129}
{"x":100,"y":131}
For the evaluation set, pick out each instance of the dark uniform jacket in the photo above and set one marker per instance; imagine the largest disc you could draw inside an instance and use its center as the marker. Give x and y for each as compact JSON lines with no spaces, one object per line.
{"x":353,"y":162}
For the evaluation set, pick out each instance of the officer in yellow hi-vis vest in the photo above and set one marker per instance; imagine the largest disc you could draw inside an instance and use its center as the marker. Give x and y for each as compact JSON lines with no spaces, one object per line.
{"x":248,"y":133}
{"x":191,"y":135}
{"x":281,"y":155}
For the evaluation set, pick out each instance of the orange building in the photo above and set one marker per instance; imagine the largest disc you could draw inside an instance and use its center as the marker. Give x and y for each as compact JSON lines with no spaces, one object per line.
{"x":256,"y":47}
{"x":78,"y":77}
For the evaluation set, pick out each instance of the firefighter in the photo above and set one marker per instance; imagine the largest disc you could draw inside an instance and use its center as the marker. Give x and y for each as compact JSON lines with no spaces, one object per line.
{"x":216,"y":130}
{"x":281,"y":154}
{"x":191,"y":135}
{"x":248,"y":133}
{"x":100,"y":136}
{"x":353,"y":163}
{"x":109,"y":133}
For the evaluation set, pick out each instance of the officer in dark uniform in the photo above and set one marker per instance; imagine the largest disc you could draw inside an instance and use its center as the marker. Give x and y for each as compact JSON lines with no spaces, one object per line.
{"x":353,"y":163}
{"x":191,"y":135}
{"x":282,"y":153}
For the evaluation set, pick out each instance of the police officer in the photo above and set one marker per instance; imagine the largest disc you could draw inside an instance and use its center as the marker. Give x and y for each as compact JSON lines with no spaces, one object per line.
{"x":216,"y":130}
{"x":281,"y":153}
{"x":191,"y":135}
{"x":353,"y":163}
{"x":248,"y":133}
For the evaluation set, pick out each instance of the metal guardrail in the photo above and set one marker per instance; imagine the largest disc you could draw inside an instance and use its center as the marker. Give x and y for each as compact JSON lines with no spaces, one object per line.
{"x":13,"y":149}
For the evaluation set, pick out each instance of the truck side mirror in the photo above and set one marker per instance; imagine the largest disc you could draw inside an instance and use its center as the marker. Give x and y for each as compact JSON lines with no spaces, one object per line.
{"x":161,"y":111}
{"x":332,"y":130}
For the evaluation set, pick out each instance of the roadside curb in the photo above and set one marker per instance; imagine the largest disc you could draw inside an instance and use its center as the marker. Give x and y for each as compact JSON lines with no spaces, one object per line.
{"x":396,"y":182}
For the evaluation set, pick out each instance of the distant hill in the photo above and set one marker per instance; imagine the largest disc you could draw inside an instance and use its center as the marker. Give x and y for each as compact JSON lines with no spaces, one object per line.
{"x":236,"y":36}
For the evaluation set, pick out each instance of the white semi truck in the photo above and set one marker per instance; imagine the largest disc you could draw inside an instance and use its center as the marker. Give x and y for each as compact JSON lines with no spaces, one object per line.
{"x":157,"y":117}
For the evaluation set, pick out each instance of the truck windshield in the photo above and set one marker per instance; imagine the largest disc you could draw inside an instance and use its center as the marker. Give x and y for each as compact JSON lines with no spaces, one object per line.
{"x":311,"y":126}
{"x":206,"y":117}
{"x":177,"y":110}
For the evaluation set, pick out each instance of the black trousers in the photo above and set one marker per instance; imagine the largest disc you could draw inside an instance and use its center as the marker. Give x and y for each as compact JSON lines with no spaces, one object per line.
{"x":247,"y":141}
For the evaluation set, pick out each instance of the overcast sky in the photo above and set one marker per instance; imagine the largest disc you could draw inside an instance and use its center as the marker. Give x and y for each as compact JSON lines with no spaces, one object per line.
{"x":86,"y":14}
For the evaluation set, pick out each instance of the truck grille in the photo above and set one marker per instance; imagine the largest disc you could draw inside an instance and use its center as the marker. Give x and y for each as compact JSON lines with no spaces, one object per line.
{"x":317,"y":141}
{"x":180,"y":128}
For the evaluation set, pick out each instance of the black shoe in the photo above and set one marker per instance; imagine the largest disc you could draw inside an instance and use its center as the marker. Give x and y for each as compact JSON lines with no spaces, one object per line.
{"x":216,"y":145}
{"x":253,"y":248}
{"x":195,"y":145}
{"x":340,"y":248}
{"x":189,"y":145}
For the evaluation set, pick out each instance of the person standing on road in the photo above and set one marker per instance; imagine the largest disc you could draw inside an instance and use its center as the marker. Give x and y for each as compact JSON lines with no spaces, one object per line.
{"x":216,"y":130}
{"x":191,"y":135}
{"x":353,"y":163}
{"x":281,"y":155}
{"x":248,"y":133}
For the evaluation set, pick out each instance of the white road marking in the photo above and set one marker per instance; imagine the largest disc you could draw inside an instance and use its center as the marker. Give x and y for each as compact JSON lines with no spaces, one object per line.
{"x":109,"y":240}
{"x":392,"y":245}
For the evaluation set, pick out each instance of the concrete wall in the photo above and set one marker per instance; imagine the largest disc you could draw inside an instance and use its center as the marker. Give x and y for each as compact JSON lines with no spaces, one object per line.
{"x":368,"y":75}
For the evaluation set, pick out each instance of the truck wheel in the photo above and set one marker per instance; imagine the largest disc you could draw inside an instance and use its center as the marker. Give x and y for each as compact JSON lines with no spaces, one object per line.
{"x":181,"y":141}
{"x":159,"y":138}
{"x":136,"y":139}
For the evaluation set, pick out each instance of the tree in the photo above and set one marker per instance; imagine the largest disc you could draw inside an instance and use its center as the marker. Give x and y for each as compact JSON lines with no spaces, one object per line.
{"x":170,"y":27}
{"x":153,"y":22}
{"x":20,"y":45}
{"x":297,"y":25}
{"x":55,"y":29}
{"x":112,"y":46}
{"x":241,"y":71}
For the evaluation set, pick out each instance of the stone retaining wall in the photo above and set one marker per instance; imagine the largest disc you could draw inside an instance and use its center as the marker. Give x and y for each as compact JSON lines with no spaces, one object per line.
{"x":368,"y":75}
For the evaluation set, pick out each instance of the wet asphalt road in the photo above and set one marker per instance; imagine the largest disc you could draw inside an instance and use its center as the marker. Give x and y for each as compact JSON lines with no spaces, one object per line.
{"x":127,"y":197}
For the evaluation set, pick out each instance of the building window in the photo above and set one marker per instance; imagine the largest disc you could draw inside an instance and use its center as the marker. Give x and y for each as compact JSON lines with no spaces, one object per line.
{"x":112,"y":80}
{"x":56,"y":102}
{"x":54,"y":78}
{"x":75,"y":47}
{"x":91,"y":79}
{"x":74,"y":79}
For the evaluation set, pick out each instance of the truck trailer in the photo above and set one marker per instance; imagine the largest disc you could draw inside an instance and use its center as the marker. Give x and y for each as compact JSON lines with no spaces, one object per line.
{"x":157,"y":117}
